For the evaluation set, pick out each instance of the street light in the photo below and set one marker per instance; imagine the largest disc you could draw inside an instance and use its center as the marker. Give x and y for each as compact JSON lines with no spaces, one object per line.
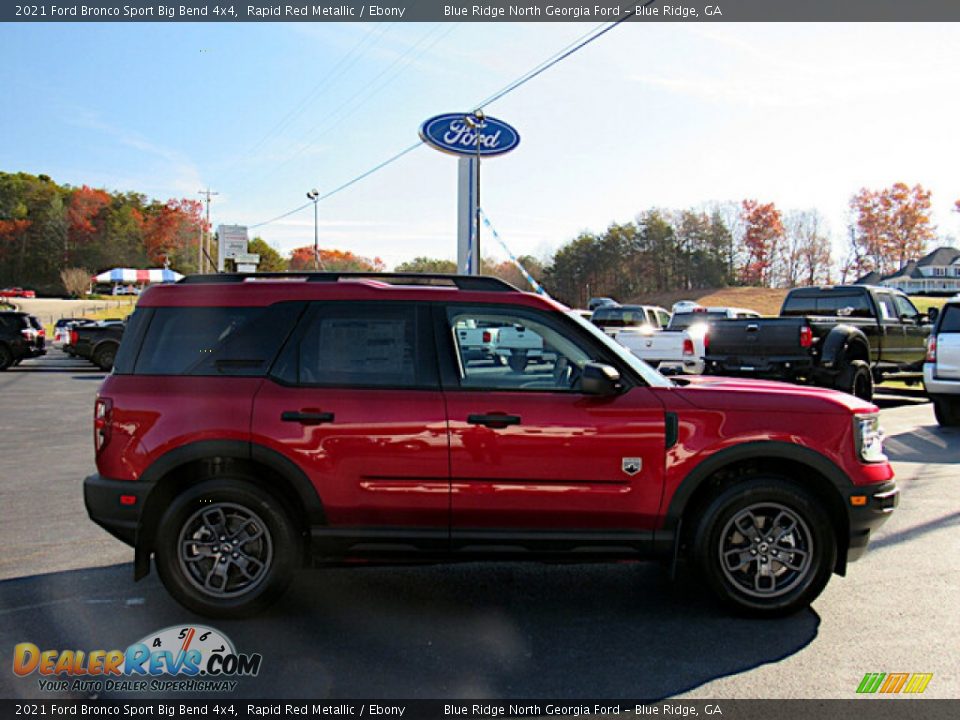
{"x":477,"y":121}
{"x":314,"y":195}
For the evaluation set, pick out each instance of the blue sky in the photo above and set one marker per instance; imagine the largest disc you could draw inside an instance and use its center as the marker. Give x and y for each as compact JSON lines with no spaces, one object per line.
{"x":672,"y":115}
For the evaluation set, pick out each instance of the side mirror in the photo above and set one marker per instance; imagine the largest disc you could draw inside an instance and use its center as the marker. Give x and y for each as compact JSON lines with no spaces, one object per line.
{"x":932,"y":314}
{"x":599,"y":379}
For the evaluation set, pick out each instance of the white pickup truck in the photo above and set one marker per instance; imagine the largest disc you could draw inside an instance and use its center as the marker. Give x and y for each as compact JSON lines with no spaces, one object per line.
{"x":681,"y":346}
{"x":477,"y":341}
{"x":517,"y":346}
{"x":511,"y":345}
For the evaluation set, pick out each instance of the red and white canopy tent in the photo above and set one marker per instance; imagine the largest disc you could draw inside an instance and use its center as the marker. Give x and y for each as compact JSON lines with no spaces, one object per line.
{"x":132,"y":275}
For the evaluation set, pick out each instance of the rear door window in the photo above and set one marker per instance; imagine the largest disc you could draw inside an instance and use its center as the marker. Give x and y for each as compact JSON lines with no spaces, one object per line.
{"x":362,"y":345}
{"x":888,"y":308}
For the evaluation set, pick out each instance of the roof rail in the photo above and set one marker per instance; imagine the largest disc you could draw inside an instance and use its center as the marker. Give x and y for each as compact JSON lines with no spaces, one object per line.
{"x":461,"y":282}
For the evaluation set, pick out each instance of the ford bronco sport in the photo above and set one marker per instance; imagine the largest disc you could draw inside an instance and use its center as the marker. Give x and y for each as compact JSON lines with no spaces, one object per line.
{"x":255,"y":424}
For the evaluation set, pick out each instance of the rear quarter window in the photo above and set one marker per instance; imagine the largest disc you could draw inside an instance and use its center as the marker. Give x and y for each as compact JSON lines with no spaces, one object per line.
{"x":950,"y":319}
{"x":212,"y":340}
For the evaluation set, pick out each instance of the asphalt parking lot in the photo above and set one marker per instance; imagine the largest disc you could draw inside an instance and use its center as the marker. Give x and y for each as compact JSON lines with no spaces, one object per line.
{"x":495,"y":630}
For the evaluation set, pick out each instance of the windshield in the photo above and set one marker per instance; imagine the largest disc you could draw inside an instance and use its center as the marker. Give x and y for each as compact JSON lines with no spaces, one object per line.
{"x":649,"y":375}
{"x":681,"y":321}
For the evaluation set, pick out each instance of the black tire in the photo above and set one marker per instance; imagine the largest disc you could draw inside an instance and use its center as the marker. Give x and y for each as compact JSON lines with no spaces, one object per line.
{"x":518,"y":361}
{"x":245,"y":507}
{"x":104,"y":357}
{"x":769,"y":504}
{"x":6,"y":358}
{"x":947,"y":411}
{"x":856,"y":379}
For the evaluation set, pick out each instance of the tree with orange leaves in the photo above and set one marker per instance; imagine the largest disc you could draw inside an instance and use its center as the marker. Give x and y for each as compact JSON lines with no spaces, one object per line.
{"x":84,"y":219}
{"x":891,"y":227}
{"x":762,"y":236}
{"x":172,"y":231}
{"x":302,"y":259}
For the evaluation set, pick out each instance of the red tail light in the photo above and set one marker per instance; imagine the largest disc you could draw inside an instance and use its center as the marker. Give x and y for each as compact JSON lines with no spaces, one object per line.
{"x":706,"y":341}
{"x":102,"y":413}
{"x":486,"y":336}
{"x":73,"y":337}
{"x":687,"y":346}
{"x":932,"y":349}
{"x":806,"y":336}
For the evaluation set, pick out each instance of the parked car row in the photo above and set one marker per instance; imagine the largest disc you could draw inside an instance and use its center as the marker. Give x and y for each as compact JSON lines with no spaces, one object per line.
{"x":680,"y":346}
{"x":847,"y":337}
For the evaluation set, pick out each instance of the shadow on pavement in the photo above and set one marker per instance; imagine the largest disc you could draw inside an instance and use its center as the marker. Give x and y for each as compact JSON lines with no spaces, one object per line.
{"x":940,"y":523}
{"x":927,"y":444}
{"x":479,"y":630}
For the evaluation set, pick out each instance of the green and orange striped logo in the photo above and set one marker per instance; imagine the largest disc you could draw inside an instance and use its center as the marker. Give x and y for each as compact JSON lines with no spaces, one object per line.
{"x":894,"y":683}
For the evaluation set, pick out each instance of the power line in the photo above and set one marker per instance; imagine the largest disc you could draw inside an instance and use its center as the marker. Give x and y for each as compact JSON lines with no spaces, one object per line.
{"x":564,"y":53}
{"x":349,"y":107}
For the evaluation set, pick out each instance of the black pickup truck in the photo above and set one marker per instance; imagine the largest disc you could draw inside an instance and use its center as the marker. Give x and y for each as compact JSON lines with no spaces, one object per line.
{"x":97,"y":342}
{"x":846,"y":337}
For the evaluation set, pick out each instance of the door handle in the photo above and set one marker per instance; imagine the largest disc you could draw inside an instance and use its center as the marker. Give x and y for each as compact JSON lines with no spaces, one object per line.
{"x":306,"y":418}
{"x":494,"y":420}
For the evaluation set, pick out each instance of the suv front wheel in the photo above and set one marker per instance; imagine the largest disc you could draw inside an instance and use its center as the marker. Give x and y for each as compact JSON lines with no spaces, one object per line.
{"x":226,"y":548}
{"x":765,"y":547}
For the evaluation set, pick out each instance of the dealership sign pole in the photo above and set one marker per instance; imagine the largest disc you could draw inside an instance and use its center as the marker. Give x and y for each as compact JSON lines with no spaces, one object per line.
{"x":469,"y":136}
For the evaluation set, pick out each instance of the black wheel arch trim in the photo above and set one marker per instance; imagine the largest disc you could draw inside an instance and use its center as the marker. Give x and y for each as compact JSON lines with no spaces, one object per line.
{"x":837,"y":345}
{"x":204,"y":449}
{"x":668,"y":534}
{"x":762,"y":449}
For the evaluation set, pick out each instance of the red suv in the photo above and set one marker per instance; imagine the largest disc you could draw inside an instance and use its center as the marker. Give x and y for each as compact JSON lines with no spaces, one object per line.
{"x":255,"y":424}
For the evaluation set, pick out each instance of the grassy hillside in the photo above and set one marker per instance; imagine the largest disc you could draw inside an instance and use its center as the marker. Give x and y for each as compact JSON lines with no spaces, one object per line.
{"x":766,"y":301}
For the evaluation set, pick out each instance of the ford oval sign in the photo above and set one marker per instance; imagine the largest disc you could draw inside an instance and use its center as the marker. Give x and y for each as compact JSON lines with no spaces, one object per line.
{"x":450,"y":133}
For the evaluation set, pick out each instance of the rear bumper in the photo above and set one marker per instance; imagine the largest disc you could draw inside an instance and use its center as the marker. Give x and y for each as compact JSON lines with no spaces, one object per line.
{"x":772,"y":366}
{"x":880,"y":501}
{"x":939,"y":386}
{"x":116,"y":505}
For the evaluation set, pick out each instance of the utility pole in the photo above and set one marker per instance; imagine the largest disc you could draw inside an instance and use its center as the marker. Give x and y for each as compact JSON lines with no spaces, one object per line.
{"x":201,"y":249}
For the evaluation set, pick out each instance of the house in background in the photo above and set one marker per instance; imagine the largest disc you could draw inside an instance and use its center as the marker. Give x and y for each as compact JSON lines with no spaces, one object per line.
{"x":935,"y":274}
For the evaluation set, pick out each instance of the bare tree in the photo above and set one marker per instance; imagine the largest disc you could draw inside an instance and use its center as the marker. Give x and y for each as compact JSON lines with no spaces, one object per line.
{"x":806,"y":259}
{"x":75,"y":280}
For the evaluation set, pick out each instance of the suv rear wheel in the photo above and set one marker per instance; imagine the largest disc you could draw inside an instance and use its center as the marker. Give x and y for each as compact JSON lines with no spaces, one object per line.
{"x":6,"y":358}
{"x":226,"y":548}
{"x":947,"y":410}
{"x":765,"y":547}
